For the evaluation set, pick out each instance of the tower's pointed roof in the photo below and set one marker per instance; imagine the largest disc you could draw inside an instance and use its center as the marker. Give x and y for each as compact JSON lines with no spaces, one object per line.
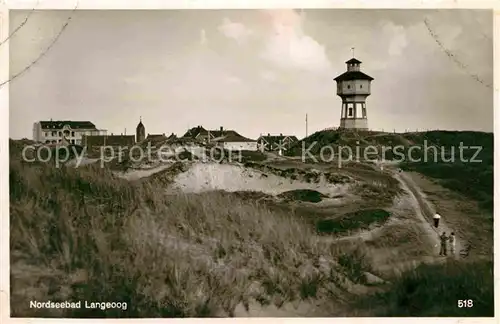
{"x":353,"y":61}
{"x":353,"y":75}
{"x":140,"y":125}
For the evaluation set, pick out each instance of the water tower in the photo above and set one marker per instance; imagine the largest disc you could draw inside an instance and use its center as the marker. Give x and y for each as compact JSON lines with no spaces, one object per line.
{"x":353,"y":86}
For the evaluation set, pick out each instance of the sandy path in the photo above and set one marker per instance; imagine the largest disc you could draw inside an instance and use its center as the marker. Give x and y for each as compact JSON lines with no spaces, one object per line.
{"x":425,"y":211}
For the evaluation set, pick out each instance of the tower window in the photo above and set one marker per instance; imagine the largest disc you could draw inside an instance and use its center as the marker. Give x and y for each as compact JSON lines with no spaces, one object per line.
{"x":348,"y":86}
{"x":361,"y":86}
{"x":349,"y":114}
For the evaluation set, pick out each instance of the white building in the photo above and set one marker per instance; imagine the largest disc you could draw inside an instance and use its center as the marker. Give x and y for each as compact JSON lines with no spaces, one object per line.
{"x":54,"y":131}
{"x":236,"y":142}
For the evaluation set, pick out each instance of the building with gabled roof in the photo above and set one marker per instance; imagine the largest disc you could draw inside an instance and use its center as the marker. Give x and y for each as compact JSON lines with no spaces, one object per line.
{"x":172,"y":136}
{"x":156,"y":136}
{"x":54,"y":131}
{"x":207,"y":136}
{"x":236,"y":142}
{"x":277,"y":143}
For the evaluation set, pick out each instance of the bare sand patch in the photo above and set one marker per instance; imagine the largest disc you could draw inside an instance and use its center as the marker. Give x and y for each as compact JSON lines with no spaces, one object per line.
{"x":232,"y":177}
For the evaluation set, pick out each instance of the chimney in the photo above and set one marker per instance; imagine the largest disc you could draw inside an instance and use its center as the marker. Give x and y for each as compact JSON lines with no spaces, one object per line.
{"x":281,"y":134}
{"x":163,"y":134}
{"x":221,"y":129}
{"x":268,"y":134}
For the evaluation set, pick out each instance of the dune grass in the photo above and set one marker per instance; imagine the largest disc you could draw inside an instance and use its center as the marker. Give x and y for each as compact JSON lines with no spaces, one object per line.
{"x":303,"y":195}
{"x":434,"y":290}
{"x":470,"y":174}
{"x":83,"y":234}
{"x":361,"y":219}
{"x":166,"y":256}
{"x":436,"y":154}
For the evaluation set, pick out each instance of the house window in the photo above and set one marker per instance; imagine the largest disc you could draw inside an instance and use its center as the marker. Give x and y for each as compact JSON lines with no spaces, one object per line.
{"x":53,"y":133}
{"x":361,"y":86}
{"x":349,"y":113}
{"x":348,"y":86}
{"x":72,"y":141}
{"x":73,"y":134}
{"x":60,"y":133}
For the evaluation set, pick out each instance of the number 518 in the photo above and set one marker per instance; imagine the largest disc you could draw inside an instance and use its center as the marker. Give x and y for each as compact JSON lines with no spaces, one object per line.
{"x":467,"y":303}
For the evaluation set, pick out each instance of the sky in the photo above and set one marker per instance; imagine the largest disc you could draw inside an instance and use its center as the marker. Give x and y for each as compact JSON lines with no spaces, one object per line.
{"x":254,"y":71}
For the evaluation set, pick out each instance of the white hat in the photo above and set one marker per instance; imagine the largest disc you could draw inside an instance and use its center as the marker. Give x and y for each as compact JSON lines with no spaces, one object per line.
{"x":437,"y":216}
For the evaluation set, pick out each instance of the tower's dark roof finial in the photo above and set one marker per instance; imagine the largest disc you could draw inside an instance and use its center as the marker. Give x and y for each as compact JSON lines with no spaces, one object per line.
{"x":140,"y":125}
{"x":354,"y":61}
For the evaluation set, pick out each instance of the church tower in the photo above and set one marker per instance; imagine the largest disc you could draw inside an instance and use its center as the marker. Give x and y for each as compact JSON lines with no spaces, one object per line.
{"x":353,"y":86}
{"x":140,"y":132}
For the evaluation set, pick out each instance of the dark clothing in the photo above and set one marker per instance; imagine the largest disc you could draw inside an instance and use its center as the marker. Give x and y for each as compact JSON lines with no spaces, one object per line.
{"x":443,"y":250}
{"x":436,"y":222}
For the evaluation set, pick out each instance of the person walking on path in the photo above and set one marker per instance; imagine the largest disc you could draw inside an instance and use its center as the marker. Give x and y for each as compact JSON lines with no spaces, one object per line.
{"x":437,"y":217}
{"x":452,"y":241}
{"x":443,"y":238}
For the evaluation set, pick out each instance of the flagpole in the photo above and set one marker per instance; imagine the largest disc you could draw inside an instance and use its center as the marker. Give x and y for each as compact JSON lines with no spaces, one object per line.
{"x":306,"y":126}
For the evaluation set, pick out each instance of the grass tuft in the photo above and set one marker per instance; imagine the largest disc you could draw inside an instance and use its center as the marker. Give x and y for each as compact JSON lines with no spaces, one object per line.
{"x":434,"y":290}
{"x":358,"y":220}
{"x":165,"y":255}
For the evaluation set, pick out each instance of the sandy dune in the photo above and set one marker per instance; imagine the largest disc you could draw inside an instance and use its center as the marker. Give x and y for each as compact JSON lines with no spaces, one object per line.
{"x":229,"y":177}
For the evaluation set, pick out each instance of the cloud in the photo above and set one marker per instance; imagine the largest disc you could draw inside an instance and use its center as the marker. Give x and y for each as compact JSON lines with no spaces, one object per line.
{"x":203,"y":37}
{"x":237,"y":31}
{"x":233,"y":80}
{"x":397,"y":37}
{"x":268,"y":75}
{"x":288,"y":47}
{"x":447,"y":34}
